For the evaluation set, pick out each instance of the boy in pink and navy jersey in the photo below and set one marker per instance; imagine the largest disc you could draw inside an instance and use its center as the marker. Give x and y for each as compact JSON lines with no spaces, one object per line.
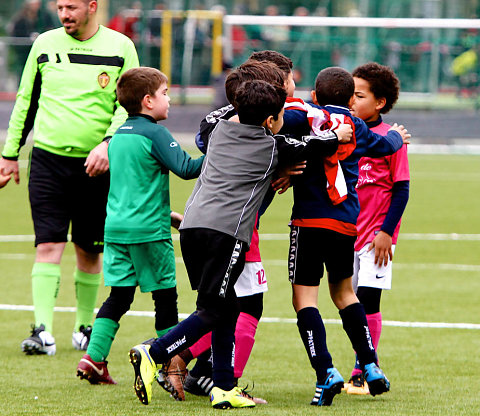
{"x":323,"y":231}
{"x":383,"y":191}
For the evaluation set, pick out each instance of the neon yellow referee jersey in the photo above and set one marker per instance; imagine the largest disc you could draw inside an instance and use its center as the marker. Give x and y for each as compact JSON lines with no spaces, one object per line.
{"x":68,"y":92}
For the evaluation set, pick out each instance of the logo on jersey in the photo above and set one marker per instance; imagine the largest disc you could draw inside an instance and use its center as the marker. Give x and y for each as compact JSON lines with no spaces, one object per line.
{"x":363,"y":177}
{"x":103,"y":79}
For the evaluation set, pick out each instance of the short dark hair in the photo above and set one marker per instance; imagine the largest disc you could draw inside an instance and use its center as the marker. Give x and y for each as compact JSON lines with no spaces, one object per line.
{"x":285,"y":64}
{"x":249,"y":71}
{"x":257,"y":100}
{"x":135,"y":84}
{"x":383,"y":82}
{"x":334,"y":85}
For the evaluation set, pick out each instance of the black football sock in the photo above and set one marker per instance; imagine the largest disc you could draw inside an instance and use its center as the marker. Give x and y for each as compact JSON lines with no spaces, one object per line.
{"x":356,"y":326}
{"x":223,"y":352}
{"x":312,"y":331}
{"x":182,"y":336}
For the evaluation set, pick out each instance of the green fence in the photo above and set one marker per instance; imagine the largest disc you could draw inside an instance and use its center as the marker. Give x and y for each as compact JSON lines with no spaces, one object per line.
{"x":427,"y":60}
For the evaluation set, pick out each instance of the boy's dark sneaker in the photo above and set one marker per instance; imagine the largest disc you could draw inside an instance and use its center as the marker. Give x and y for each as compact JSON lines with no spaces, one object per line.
{"x":199,"y":386}
{"x":39,"y":342}
{"x":377,"y":381}
{"x":326,"y":390}
{"x":160,"y":377}
{"x":357,"y":385}
{"x":93,"y":371}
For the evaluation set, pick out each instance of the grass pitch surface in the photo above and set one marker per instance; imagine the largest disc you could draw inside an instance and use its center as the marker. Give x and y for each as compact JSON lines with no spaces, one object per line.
{"x":431,"y":360}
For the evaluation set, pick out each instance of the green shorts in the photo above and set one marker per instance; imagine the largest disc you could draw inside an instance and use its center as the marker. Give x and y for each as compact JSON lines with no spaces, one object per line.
{"x":151,"y":266}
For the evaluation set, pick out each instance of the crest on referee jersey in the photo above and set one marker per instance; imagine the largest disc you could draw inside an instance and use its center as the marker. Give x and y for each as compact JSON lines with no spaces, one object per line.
{"x":103,"y":79}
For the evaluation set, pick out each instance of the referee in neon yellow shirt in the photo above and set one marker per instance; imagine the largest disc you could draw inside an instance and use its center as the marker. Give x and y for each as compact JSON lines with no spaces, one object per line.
{"x":67,"y":95}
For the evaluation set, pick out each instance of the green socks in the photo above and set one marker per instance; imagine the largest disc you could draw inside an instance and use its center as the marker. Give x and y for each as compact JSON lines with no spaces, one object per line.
{"x":86,"y":290}
{"x":45,"y":284}
{"x":162,"y":332}
{"x":103,"y":334}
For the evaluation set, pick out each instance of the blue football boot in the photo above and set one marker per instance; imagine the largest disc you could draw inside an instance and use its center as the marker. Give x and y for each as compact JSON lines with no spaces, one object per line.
{"x":326,"y":390}
{"x":377,"y":381}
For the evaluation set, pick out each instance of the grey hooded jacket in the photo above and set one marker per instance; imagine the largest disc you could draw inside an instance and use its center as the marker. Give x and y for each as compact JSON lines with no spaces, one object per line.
{"x":236,"y":174}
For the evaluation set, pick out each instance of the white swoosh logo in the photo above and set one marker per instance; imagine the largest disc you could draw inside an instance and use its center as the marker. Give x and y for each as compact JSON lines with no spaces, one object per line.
{"x":93,"y":365}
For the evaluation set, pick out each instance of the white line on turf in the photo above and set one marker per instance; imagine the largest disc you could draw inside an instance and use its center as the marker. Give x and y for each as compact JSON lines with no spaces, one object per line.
{"x":283,"y":263}
{"x":438,"y":325}
{"x":284,"y":237}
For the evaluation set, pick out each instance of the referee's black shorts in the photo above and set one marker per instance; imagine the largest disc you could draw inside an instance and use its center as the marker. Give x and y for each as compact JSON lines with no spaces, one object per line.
{"x":313,"y":248}
{"x":62,"y":193}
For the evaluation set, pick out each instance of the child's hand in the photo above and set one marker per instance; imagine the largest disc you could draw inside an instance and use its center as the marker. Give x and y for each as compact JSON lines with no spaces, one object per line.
{"x":97,"y":160}
{"x":403,"y":132}
{"x":175,"y":219}
{"x":283,"y":182}
{"x":4,"y":180}
{"x":344,"y":133}
{"x":382,"y":243}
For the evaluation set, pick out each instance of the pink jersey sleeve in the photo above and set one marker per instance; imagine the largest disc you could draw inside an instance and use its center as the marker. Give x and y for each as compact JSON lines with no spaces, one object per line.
{"x":374,"y":188}
{"x":399,"y":165}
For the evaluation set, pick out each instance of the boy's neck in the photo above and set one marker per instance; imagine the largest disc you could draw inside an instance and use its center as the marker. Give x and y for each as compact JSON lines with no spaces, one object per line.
{"x":375,"y":122}
{"x":145,"y":115}
{"x":149,"y":113}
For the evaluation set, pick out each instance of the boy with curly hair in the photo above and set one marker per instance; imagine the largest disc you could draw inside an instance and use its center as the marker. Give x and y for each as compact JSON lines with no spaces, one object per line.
{"x":383,"y":191}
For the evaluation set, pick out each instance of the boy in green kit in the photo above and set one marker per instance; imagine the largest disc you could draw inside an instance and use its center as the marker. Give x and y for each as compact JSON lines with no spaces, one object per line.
{"x":138,"y":242}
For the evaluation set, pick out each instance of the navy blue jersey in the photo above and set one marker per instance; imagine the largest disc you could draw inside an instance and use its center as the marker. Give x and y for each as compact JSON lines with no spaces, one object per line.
{"x":312,"y":205}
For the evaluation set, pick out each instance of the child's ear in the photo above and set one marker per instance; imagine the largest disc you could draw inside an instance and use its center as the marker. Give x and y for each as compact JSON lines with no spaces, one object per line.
{"x":147,"y":101}
{"x":268,"y":123}
{"x":380,"y":103}
{"x":350,"y":101}
{"x":314,"y":97}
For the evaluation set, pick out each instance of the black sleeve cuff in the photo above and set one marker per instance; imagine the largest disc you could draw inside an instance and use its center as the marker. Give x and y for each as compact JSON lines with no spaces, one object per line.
{"x":15,"y":158}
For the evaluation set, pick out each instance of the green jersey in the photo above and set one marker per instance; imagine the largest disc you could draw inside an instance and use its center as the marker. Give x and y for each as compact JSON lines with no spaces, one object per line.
{"x":141,"y":154}
{"x":68,"y":92}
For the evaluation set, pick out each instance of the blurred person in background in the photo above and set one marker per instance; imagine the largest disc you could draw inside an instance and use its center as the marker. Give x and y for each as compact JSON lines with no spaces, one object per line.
{"x":126,"y":20}
{"x":154,"y":25}
{"x":220,"y":97}
{"x":274,"y":36}
{"x":465,"y":68}
{"x":29,"y":22}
